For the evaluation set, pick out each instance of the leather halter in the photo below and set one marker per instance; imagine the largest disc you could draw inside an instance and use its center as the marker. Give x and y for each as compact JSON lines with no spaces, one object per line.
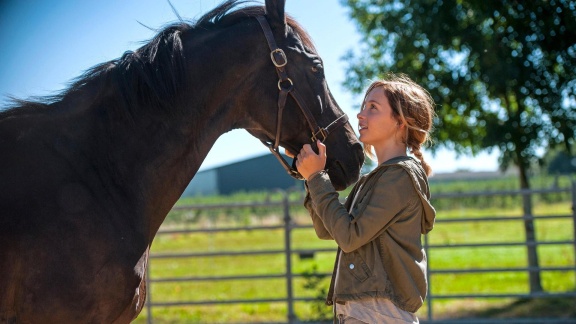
{"x":286,"y":86}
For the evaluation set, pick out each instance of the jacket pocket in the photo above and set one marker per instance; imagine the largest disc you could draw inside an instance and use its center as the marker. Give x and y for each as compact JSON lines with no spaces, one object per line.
{"x":354,"y":263}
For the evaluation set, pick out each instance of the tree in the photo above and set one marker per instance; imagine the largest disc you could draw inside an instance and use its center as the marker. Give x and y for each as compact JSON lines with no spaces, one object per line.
{"x":503,"y":73}
{"x":562,"y":163}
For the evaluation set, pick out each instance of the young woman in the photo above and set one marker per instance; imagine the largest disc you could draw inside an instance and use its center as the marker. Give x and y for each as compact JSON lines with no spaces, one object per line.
{"x":380,"y":270}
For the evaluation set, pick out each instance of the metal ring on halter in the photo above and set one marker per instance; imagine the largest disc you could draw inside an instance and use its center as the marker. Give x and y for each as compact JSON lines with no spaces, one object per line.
{"x":286,"y":89}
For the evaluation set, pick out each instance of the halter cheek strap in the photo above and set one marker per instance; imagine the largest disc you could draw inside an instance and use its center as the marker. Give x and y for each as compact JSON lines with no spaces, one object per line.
{"x":286,"y":87}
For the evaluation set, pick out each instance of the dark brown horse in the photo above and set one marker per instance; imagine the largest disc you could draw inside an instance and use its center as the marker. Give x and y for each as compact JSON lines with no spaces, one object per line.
{"x":87,"y":177}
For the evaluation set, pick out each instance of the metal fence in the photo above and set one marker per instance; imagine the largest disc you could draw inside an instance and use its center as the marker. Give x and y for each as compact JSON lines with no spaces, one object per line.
{"x":288,"y":251}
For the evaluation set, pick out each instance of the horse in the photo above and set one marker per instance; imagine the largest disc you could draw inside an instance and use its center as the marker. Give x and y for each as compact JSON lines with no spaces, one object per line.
{"x":88,"y":176}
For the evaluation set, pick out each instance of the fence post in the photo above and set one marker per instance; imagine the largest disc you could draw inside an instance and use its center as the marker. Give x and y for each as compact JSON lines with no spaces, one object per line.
{"x":148,"y":293}
{"x":288,"y":251}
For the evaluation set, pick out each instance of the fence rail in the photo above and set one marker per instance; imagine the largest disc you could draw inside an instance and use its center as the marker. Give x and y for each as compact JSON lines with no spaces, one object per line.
{"x":288,"y":251}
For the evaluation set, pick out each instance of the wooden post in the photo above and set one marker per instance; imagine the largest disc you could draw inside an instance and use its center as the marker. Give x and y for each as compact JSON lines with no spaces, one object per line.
{"x":288,"y":252}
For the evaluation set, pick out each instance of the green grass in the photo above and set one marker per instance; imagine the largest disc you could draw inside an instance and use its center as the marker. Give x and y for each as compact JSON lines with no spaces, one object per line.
{"x":499,"y":257}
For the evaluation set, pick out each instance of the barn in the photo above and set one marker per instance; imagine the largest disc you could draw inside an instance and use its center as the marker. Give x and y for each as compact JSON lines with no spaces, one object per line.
{"x":255,"y":174}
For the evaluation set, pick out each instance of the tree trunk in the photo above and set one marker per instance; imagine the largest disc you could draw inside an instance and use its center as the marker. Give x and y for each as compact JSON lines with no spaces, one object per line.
{"x":535,"y":283}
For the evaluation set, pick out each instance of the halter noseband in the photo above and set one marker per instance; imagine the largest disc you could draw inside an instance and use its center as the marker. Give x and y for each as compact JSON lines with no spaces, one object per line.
{"x":286,"y":86}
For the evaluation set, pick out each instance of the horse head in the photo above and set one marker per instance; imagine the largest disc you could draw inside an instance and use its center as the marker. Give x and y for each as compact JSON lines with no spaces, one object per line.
{"x":303,"y":109}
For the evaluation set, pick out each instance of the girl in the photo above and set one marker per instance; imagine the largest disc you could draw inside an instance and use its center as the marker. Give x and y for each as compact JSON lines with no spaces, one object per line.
{"x":380,"y":270}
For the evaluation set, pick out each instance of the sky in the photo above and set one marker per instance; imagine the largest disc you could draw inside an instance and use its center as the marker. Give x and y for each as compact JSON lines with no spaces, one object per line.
{"x":45,"y":44}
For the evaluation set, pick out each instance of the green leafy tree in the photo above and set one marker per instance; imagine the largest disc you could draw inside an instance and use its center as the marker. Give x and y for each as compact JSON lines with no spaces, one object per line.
{"x":503,"y":73}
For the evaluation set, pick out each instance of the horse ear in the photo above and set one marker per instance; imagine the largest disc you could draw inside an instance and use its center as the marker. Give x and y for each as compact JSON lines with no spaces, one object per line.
{"x":275,"y":13}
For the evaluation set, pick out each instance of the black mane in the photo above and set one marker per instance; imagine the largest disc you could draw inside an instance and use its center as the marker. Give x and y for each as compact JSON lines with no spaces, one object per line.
{"x":151,"y":75}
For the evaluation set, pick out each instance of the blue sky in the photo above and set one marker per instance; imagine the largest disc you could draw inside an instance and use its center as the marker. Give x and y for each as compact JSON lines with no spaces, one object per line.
{"x":45,"y":44}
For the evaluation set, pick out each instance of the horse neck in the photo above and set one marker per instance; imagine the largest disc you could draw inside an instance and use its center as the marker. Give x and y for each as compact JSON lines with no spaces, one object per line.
{"x":165,"y":154}
{"x":158,"y":152}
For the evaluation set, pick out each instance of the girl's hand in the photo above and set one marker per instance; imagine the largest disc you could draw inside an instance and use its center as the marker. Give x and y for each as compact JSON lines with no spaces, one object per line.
{"x":308,"y":162}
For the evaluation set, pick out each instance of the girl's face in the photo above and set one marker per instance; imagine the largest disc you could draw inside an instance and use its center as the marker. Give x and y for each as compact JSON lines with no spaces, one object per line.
{"x":376,"y":123}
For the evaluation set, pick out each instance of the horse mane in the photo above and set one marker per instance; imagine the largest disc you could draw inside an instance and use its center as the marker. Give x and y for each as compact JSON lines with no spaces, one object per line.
{"x":152,"y":75}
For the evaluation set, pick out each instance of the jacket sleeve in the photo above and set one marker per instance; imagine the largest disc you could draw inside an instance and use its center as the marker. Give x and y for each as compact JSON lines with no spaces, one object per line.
{"x":381,"y":202}
{"x":321,"y":231}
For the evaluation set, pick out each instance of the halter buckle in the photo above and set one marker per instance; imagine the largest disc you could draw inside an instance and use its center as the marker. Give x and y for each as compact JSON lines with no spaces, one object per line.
{"x":322,"y":132}
{"x":278,"y":54}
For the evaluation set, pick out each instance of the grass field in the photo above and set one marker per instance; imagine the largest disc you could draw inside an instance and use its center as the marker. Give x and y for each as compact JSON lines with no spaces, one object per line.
{"x":500,"y":257}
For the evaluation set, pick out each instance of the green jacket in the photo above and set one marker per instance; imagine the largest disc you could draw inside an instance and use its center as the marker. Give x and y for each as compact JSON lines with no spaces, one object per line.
{"x":381,"y":237}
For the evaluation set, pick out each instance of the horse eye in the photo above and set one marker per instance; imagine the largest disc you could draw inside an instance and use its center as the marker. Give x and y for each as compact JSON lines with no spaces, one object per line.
{"x":317,"y":68}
